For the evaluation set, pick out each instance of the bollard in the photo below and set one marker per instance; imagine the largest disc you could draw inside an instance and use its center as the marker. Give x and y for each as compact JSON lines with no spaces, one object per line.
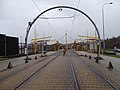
{"x":90,"y":57}
{"x":81,"y":55}
{"x":9,"y":65}
{"x":26,"y":61}
{"x":35,"y":57}
{"x":85,"y":55}
{"x":27,"y":58}
{"x":41,"y":55}
{"x":110,"y":66}
{"x":97,"y":61}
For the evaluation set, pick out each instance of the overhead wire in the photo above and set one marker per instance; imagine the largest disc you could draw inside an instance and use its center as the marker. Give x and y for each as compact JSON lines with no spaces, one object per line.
{"x":56,"y":17}
{"x":60,"y":39}
{"x":70,"y":37}
{"x":44,"y":16}
{"x":75,"y":11}
{"x":64,"y":36}
{"x":74,"y":17}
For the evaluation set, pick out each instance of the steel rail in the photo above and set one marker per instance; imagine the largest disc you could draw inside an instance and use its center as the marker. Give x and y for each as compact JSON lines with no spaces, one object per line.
{"x":112,"y":85}
{"x":74,"y":75}
{"x":17,"y":71}
{"x":17,"y":87}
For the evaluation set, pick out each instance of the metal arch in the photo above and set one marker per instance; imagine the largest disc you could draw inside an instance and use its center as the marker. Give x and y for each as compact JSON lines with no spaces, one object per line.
{"x":31,"y":23}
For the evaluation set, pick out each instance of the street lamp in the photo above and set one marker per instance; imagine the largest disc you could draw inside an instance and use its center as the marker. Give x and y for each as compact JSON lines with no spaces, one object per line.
{"x":103,"y":23}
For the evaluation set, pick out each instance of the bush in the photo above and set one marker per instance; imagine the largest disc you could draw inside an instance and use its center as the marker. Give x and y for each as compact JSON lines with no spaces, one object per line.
{"x":109,"y":53}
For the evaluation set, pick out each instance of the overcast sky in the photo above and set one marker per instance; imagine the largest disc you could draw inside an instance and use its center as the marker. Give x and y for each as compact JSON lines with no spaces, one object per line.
{"x":15,"y":14}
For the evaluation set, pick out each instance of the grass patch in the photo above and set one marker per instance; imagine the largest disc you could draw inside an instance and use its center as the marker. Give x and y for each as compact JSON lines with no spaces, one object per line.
{"x":1,"y":59}
{"x":116,"y":56}
{"x":111,"y":54}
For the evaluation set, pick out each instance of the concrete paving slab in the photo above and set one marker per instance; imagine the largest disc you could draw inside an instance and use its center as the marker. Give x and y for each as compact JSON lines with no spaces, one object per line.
{"x":106,"y":59}
{"x":19,"y":60}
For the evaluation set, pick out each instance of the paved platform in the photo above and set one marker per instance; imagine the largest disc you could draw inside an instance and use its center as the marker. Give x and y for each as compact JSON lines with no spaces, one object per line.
{"x":19,"y":60}
{"x":106,"y":59}
{"x":58,"y":75}
{"x":87,"y":78}
{"x":11,"y":78}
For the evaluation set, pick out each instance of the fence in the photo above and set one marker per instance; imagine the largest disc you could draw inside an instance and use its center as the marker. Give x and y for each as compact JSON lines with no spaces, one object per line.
{"x":8,"y":45}
{"x":22,"y":48}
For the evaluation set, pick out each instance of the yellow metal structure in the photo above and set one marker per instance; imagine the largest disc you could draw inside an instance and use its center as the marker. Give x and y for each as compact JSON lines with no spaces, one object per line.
{"x":94,"y":38}
{"x":35,"y":42}
{"x":89,"y":37}
{"x":56,"y":43}
{"x":66,"y":41}
{"x":43,"y":38}
{"x":76,"y":45}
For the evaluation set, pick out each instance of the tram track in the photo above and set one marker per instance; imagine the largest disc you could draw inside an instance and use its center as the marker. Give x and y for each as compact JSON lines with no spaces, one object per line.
{"x":19,"y":76}
{"x":20,"y":68}
{"x":102,"y":64}
{"x":52,"y":72}
{"x":77,"y":87}
{"x":17,"y":87}
{"x":95,"y":71}
{"x":69,"y":72}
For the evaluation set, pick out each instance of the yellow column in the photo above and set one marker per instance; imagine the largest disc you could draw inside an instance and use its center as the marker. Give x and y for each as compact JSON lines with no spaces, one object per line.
{"x":54,"y":47}
{"x":66,"y":41}
{"x":35,"y":42}
{"x":35,"y":47}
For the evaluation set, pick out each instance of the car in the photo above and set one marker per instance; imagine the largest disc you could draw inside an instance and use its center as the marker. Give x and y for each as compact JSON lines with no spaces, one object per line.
{"x":116,"y":50}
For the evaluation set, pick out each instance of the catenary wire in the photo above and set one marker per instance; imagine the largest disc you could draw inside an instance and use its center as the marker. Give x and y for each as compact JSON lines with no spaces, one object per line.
{"x":74,"y":18}
{"x":45,"y":19}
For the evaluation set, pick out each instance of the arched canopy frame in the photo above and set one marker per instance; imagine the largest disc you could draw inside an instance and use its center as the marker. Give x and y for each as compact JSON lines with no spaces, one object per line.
{"x":68,"y":7}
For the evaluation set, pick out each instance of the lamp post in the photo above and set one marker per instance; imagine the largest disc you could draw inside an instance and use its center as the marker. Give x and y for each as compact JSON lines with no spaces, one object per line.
{"x":103,"y":23}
